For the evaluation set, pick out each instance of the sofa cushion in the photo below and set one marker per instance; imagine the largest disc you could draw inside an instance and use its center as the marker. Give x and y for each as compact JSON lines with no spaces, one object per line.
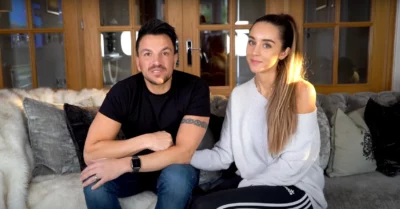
{"x":325,"y":135}
{"x":213,"y":132}
{"x":52,"y":146}
{"x":384,"y":122}
{"x":351,"y":151}
{"x":218,"y":105}
{"x":79,"y":120}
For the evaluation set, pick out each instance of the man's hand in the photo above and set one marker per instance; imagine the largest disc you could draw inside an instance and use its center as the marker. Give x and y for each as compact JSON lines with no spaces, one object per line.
{"x":102,"y":171}
{"x":160,"y":140}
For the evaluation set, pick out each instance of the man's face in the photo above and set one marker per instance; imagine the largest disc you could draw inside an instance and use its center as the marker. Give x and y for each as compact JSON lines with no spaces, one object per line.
{"x":156,"y":59}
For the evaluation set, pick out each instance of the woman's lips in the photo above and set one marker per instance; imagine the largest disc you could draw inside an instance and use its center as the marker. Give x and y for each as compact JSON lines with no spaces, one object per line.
{"x":255,"y":62}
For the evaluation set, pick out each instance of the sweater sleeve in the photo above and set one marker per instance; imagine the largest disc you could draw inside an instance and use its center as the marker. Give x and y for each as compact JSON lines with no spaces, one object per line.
{"x":298,"y":157}
{"x":220,"y":156}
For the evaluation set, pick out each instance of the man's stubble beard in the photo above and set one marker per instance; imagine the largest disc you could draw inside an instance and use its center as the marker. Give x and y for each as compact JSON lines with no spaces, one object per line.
{"x":166,"y":78}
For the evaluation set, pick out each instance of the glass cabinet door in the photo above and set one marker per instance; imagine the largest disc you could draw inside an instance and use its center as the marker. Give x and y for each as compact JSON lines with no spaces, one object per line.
{"x":32,"y":45}
{"x":348,"y":27}
{"x":115,"y":30}
{"x":215,"y":42}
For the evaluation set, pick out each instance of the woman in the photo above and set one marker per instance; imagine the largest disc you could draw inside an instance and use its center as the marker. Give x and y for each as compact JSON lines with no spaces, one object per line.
{"x":270,"y":129}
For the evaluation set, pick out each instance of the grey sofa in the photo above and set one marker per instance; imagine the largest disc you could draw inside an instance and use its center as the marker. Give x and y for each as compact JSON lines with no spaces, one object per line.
{"x":18,"y":190}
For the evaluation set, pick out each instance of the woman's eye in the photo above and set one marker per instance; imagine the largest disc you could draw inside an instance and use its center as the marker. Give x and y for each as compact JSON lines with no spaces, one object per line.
{"x":251,"y":43}
{"x":267,"y":46}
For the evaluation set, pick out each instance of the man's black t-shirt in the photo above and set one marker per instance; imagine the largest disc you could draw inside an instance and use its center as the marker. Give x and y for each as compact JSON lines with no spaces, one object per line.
{"x":139,"y":111}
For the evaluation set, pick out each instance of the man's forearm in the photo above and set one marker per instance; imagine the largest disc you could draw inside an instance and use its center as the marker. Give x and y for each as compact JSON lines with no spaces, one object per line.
{"x":115,"y":148}
{"x":161,"y":159}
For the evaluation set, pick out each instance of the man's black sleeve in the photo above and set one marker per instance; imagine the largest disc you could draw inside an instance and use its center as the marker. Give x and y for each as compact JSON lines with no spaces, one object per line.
{"x":199,"y":100}
{"x":114,"y":105}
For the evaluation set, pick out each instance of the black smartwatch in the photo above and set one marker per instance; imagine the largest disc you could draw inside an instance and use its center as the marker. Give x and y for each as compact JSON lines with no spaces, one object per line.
{"x":135,"y":164}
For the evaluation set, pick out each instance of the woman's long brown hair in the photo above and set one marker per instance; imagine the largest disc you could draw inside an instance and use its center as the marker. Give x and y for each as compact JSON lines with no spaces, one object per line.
{"x":281,"y":112}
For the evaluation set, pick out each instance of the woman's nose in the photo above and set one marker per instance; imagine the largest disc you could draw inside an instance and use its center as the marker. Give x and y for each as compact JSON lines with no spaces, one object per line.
{"x":256,"y":50}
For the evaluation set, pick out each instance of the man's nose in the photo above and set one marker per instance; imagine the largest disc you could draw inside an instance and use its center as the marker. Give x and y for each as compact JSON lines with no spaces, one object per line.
{"x":157,"y":60}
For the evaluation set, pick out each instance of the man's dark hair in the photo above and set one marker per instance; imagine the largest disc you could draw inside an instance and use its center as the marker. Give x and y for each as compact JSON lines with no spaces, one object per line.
{"x":156,"y":27}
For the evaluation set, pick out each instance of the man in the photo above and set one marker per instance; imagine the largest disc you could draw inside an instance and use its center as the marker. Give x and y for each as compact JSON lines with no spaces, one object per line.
{"x":164,"y":114}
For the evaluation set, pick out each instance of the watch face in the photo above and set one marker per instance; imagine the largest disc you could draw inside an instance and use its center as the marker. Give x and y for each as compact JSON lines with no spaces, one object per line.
{"x":136,"y":162}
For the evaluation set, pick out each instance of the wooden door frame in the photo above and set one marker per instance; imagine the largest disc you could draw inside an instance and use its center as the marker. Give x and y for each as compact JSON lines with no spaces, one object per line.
{"x":73,"y":43}
{"x":91,"y":37}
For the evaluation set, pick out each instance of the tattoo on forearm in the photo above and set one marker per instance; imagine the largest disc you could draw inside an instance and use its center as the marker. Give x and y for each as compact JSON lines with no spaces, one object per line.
{"x":195,"y":122}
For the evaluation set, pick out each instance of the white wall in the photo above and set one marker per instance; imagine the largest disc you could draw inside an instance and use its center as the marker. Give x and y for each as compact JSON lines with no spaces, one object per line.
{"x":396,"y":63}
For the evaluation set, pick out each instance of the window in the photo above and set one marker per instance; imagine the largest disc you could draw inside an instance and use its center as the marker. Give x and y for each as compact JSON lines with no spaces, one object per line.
{"x":33,"y":45}
{"x":108,"y":37}
{"x":344,"y":47}
{"x":350,"y":34}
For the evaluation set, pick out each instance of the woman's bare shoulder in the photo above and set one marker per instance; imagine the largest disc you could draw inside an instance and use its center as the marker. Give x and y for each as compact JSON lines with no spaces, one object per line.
{"x":305,"y":97}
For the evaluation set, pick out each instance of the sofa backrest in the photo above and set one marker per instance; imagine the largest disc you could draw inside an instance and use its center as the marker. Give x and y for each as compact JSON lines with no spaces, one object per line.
{"x":350,"y":102}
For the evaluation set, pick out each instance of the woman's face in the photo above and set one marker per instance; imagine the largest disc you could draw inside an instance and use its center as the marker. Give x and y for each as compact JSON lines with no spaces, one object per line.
{"x":264,"y":48}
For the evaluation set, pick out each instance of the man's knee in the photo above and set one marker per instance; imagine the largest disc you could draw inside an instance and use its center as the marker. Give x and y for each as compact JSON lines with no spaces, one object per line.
{"x":178,"y":178}
{"x":94,"y":195}
{"x":100,"y":194}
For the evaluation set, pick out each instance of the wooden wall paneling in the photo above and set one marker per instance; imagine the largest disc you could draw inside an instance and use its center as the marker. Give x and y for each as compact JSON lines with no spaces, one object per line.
{"x":380,"y":30}
{"x":133,"y":35}
{"x":174,"y":10}
{"x":32,"y":49}
{"x":387,"y":83}
{"x":296,"y":10}
{"x":336,"y":36}
{"x":190,"y":23}
{"x":232,"y":69}
{"x":73,"y":43}
{"x":275,"y":6}
{"x":1,"y":72}
{"x":91,"y":37}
